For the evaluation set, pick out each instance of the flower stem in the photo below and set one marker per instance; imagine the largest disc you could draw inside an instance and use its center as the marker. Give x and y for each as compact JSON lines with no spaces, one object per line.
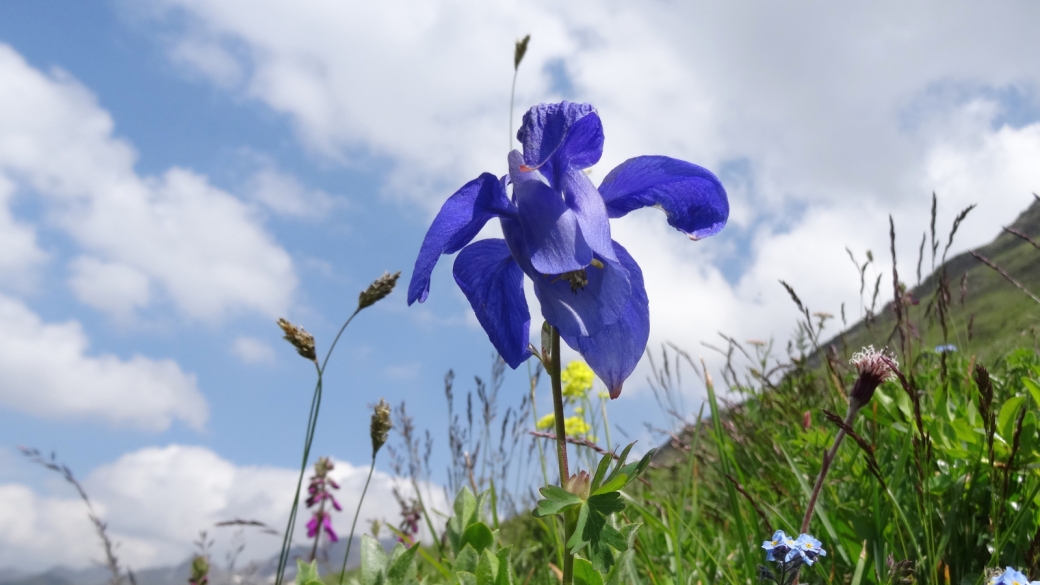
{"x":828,"y":458}
{"x":561,"y":445}
{"x":350,"y":539}
{"x":312,"y":423}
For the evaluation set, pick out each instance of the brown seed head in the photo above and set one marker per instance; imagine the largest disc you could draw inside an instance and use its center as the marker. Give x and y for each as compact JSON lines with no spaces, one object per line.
{"x":376,"y":291}
{"x":381,"y":425}
{"x":521,"y":50}
{"x":874,"y":368}
{"x":300,"y":339}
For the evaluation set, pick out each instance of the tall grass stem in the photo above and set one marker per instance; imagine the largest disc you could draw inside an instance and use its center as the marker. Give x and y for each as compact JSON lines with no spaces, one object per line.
{"x":312,"y":423}
{"x":350,"y":539}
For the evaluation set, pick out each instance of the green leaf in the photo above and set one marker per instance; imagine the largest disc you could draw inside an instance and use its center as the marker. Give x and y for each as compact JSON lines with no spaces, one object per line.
{"x":644,"y":462}
{"x":607,"y":503}
{"x":505,"y":567}
{"x":577,"y":541}
{"x":373,"y":561}
{"x":593,"y":527}
{"x":624,"y":456}
{"x":584,"y":574}
{"x":556,"y":500}
{"x":614,"y":483}
{"x":402,"y":565}
{"x":466,"y":560}
{"x":464,"y":578}
{"x":624,"y":571}
{"x":465,"y":507}
{"x":487,"y":569}
{"x":1034,"y":389}
{"x":1008,"y":415}
{"x":611,"y":536}
{"x":477,"y":535}
{"x":601,"y":469}
{"x":306,"y":572}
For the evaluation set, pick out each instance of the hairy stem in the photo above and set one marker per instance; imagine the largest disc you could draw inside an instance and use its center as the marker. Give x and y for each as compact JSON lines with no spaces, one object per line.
{"x":828,"y":458}
{"x":561,"y":445}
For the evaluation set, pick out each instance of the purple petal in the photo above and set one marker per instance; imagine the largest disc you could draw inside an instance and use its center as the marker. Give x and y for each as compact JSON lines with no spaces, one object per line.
{"x":550,"y":227}
{"x":494,"y":285}
{"x":327,"y":523}
{"x":691,"y":196}
{"x":457,"y":223}
{"x":590,"y":211}
{"x":581,"y":148}
{"x":312,"y":527}
{"x":585,"y":311}
{"x":614,"y":351}
{"x":546,"y":126}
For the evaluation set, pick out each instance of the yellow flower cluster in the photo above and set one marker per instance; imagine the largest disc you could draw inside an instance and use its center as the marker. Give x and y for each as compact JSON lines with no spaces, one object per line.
{"x":573,"y":425}
{"x":577,"y":379}
{"x":546,"y":422}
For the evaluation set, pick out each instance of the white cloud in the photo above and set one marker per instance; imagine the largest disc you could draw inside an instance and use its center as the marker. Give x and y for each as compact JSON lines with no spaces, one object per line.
{"x":842,"y":115}
{"x":156,"y":500}
{"x":45,"y":370}
{"x":19,"y":253}
{"x":252,"y":351}
{"x":283,"y":194}
{"x":110,"y":287}
{"x":200,"y":247}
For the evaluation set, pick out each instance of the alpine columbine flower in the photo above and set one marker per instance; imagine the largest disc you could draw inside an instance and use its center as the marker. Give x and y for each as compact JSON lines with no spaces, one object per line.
{"x":557,"y":232}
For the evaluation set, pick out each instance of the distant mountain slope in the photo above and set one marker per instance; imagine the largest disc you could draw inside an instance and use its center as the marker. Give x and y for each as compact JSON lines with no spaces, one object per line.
{"x":250,"y":574}
{"x":987,"y":317}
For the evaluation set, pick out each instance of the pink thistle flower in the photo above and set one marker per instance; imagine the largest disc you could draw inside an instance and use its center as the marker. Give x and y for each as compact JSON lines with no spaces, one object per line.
{"x":874,"y":367}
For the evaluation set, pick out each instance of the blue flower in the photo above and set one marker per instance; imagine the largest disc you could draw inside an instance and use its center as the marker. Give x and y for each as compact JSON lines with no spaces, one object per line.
{"x":779,"y":546}
{"x":808,"y":548}
{"x":948,"y":348}
{"x":556,"y":231}
{"x":1012,"y":577}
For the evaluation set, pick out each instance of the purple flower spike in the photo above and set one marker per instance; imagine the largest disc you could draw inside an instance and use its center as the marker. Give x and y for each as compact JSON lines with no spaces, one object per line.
{"x":556,"y":228}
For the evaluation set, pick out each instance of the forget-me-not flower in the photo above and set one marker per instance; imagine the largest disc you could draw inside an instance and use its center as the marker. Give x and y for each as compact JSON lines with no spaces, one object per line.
{"x":777,"y":547}
{"x":1012,"y":577}
{"x":556,"y":230}
{"x":808,"y":548}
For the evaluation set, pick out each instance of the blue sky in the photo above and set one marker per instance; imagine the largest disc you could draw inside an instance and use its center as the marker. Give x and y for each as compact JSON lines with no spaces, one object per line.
{"x":176,"y":174}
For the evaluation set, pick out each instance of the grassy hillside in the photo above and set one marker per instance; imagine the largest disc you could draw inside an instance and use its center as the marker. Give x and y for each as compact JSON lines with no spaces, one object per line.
{"x":987,"y":315}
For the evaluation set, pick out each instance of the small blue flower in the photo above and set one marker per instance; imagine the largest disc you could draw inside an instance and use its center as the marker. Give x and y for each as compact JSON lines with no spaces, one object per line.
{"x":808,"y":548}
{"x":556,"y":230}
{"x":779,"y":546}
{"x":1012,"y":577}
{"x":948,"y":348}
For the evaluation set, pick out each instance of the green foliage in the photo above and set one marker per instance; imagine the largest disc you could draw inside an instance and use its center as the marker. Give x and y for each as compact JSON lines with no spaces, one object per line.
{"x":378,"y":568}
{"x":307,"y":573}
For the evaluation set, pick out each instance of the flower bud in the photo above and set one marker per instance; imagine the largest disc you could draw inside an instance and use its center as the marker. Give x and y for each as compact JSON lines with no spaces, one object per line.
{"x":874,"y":367}
{"x":300,"y":339}
{"x":579,"y":484}
{"x":380,"y":427}
{"x":378,"y":290}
